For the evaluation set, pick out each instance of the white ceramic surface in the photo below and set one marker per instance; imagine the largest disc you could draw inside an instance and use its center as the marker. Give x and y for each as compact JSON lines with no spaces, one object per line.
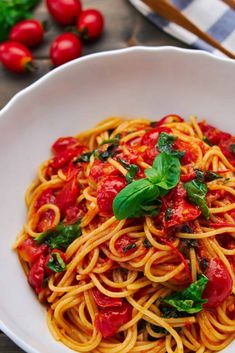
{"x":148,"y":82}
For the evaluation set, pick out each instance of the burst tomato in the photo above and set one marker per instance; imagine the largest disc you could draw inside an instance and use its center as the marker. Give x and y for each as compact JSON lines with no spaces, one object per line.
{"x":124,"y":245}
{"x":36,"y":274}
{"x":30,"y":251}
{"x":109,"y":320}
{"x":47,"y":196}
{"x":108,"y":187}
{"x":104,"y":301}
{"x":151,"y":136}
{"x":63,"y":143}
{"x":220,"y":283}
{"x":67,"y":196}
{"x":214,"y":135}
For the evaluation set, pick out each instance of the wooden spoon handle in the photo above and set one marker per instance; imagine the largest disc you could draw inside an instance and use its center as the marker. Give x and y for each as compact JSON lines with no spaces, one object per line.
{"x":230,"y":3}
{"x":172,"y":14}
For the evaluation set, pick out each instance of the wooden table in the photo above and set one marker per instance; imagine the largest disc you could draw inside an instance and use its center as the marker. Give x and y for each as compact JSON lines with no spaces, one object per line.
{"x":124,"y":27}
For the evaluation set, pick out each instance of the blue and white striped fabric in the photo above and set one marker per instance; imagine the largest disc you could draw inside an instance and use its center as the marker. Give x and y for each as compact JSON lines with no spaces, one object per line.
{"x":212,"y":16}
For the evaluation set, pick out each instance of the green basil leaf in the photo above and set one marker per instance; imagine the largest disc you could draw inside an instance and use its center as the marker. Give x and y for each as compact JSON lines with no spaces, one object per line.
{"x":205,"y":139}
{"x":165,"y":144}
{"x":196,"y":192}
{"x":147,"y":244}
{"x":168,"y":171}
{"x":168,"y":214}
{"x":190,"y":299}
{"x":83,"y":158}
{"x":129,"y":200}
{"x":209,"y":176}
{"x":56,"y":263}
{"x":60,"y":237}
{"x":129,"y":247}
{"x":232,"y":148}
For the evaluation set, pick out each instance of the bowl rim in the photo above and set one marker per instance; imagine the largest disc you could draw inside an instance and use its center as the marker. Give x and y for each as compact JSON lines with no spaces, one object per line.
{"x":116,"y":52}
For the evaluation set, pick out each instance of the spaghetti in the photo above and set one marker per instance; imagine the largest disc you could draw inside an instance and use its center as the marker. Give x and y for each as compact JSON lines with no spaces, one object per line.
{"x":130,"y":237}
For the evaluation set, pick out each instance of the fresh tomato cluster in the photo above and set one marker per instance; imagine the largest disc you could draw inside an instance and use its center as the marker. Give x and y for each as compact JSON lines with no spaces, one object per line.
{"x":15,"y":54}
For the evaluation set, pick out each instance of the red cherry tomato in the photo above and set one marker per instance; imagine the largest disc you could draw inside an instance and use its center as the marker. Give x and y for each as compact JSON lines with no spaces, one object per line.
{"x":191,"y":153}
{"x":65,"y":12}
{"x":90,"y":24}
{"x":16,"y":57}
{"x":63,"y":143}
{"x":214,"y":135}
{"x":104,"y":301}
{"x":109,"y":320}
{"x":107,"y":189}
{"x":181,"y":210}
{"x":67,"y":196}
{"x":66,"y":47}
{"x":63,"y":158}
{"x":45,"y":221}
{"x":100,"y":169}
{"x":28,"y":32}
{"x":220,"y":283}
{"x":122,"y":244}
{"x":36,"y":274}
{"x":30,"y":251}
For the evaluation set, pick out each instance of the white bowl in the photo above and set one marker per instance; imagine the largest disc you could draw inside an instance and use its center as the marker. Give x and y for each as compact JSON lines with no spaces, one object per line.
{"x":150,"y":82}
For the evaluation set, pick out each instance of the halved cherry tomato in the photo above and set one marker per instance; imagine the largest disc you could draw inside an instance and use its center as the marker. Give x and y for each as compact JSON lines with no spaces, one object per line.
{"x":36,"y":274}
{"x":181,"y":210}
{"x":107,"y":189}
{"x":65,"y":12}
{"x":63,"y":158}
{"x":123,"y":245}
{"x":109,"y":320}
{"x":100,"y":169}
{"x":16,"y":57}
{"x":63,"y":143}
{"x":28,"y":32}
{"x":30,"y":251}
{"x":104,"y":301}
{"x":90,"y":24}
{"x":151,"y":136}
{"x":220,"y":283}
{"x":67,"y":196}
{"x":214,"y":135}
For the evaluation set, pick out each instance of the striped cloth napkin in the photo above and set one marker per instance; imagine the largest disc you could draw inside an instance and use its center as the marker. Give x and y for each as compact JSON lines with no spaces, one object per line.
{"x":212,"y":16}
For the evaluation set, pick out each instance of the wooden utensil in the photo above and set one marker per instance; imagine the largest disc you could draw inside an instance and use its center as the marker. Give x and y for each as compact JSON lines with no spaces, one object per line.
{"x":230,"y":3}
{"x":165,"y":9}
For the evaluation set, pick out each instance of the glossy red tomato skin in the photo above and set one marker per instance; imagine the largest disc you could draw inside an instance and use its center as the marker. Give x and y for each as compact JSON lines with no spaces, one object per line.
{"x":170,"y":118}
{"x":30,"y":251}
{"x":63,"y":143}
{"x":36,"y":274}
{"x":107,"y":189}
{"x":63,"y":158}
{"x":90,"y":24}
{"x":214,"y":135}
{"x":46,"y":221}
{"x":47,"y":196}
{"x":15,"y":56}
{"x":28,"y":32}
{"x":104,"y":301}
{"x":67,"y":196}
{"x":65,"y":12}
{"x":220,"y":283}
{"x":109,"y":320}
{"x":190,"y":155}
{"x":64,"y":48}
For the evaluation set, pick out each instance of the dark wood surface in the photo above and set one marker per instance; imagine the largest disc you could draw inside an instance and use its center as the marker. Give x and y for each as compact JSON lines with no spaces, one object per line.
{"x":124,"y":27}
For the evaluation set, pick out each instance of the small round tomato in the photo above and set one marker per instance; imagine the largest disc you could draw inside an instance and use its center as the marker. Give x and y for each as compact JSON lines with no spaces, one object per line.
{"x":47,"y":196}
{"x":30,"y":251}
{"x":16,"y":57}
{"x":36,"y":274}
{"x":220,"y":283}
{"x":108,"y":188}
{"x":28,"y":32}
{"x":191,"y":153}
{"x":67,"y":196}
{"x":213,"y":135}
{"x":100,"y":169}
{"x":62,"y":143}
{"x":64,"y":48}
{"x":65,"y":12}
{"x":90,"y":24}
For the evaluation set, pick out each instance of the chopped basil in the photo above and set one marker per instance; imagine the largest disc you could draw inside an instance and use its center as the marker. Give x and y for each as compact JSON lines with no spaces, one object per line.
{"x":129,"y":247}
{"x":207,"y":176}
{"x":158,"y":329}
{"x":205,"y":139}
{"x":60,"y":237}
{"x":203,"y":264}
{"x":83,"y":158}
{"x":196,"y":192}
{"x":56,"y":263}
{"x":190,"y":243}
{"x":147,"y":243}
{"x":190,"y":299}
{"x":232,"y":148}
{"x":132,"y":170}
{"x":168,"y":214}
{"x":165,"y":144}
